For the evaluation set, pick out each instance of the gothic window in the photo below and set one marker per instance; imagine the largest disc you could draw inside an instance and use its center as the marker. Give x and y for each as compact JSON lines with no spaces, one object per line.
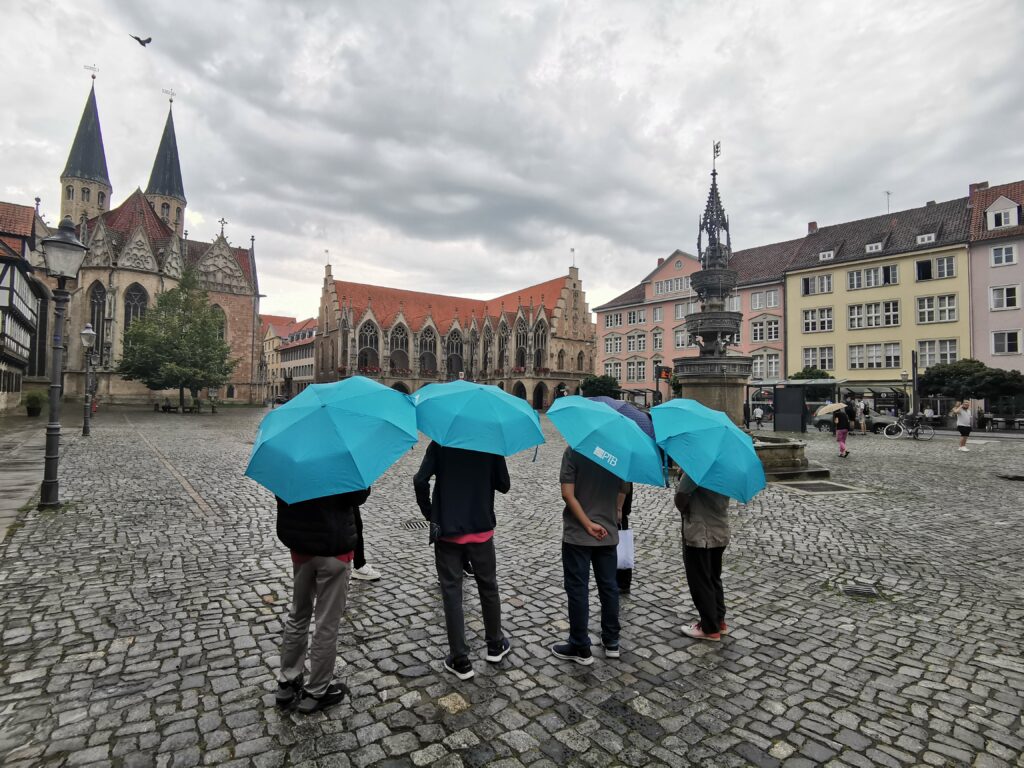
{"x":165,"y":211}
{"x":399,"y":348}
{"x":69,"y":192}
{"x":522,"y":339}
{"x":473,"y":342}
{"x":222,"y":321}
{"x":485,"y":356}
{"x":177,"y":215}
{"x":561,"y":359}
{"x":369,"y":347}
{"x":101,"y":199}
{"x":97,"y":313}
{"x":579,"y":362}
{"x":454,"y":351}
{"x":135,"y":301}
{"x":86,"y":194}
{"x":503,"y":336}
{"x":540,"y":345}
{"x":428,"y":351}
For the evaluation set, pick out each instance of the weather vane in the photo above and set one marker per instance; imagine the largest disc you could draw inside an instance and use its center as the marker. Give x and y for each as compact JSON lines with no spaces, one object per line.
{"x":170,"y":93}
{"x":92,"y":68}
{"x":716,"y":150}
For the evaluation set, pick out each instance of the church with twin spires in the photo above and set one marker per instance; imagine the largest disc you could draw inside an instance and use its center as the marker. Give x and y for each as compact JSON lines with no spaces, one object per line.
{"x":139,"y":249}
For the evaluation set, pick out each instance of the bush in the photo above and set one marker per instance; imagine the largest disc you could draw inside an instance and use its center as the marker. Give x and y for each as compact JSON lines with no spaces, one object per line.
{"x":35,"y":398}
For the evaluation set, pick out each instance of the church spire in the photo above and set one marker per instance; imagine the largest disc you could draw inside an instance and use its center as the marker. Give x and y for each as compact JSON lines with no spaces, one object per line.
{"x":713,"y":223}
{"x":86,"y":184}
{"x":165,"y":191}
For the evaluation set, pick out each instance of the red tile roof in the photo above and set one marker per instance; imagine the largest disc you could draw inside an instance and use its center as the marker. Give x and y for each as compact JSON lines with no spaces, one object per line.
{"x":16,"y":219}
{"x":416,"y":306}
{"x":135,"y":211}
{"x":276,"y":320}
{"x":983,"y":198}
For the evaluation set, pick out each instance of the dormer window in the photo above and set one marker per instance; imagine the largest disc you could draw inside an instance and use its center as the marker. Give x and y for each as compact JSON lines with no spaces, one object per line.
{"x":924,"y":239}
{"x":873,"y":248}
{"x":826,"y":255}
{"x":1002,"y":213}
{"x":1003,"y":218}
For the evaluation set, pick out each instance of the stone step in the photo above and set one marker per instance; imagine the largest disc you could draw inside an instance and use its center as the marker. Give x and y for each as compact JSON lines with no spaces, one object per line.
{"x":810,"y":472}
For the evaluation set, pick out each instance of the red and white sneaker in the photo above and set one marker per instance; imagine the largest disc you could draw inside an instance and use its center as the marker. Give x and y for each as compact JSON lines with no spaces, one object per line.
{"x":694,"y":631}
{"x":723,"y":628}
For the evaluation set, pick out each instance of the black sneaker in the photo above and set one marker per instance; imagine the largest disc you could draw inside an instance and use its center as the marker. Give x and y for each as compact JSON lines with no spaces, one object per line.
{"x":612,"y":651}
{"x":309,"y":704}
{"x":288,"y":692}
{"x":573,"y":653}
{"x":497,"y":651}
{"x":459,"y":667}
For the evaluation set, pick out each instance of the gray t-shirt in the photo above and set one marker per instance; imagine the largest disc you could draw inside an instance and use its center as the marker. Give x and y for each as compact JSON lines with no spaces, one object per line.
{"x":597,"y":491}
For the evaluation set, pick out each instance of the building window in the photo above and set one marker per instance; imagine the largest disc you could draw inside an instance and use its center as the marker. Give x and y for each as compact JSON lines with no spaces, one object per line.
{"x":854,"y":280}
{"x":892,"y":355}
{"x":817,"y":284}
{"x":398,"y":359}
{"x":890,"y":313}
{"x":69,"y":192}
{"x":636,"y":370}
{"x":635,"y":316}
{"x":97,"y":314}
{"x":774,"y":358}
{"x":876,"y":276}
{"x":757,"y":300}
{"x":732,"y":304}
{"x":757,"y":367}
{"x":818,"y":320}
{"x":819,"y":357}
{"x":757,"y":331}
{"x":86,"y":194}
{"x":579,"y":362}
{"x":855,"y":317}
{"x":1006,"y":342}
{"x":612,"y":344}
{"x":658,"y":341}
{"x":945,"y":308}
{"x":1005,"y":297}
{"x":1003,"y":218}
{"x":945,"y":266}
{"x":680,"y":339}
{"x":680,"y":311}
{"x":1003,"y":255}
{"x":772,"y":330}
{"x":613,"y":320}
{"x":658,"y":313}
{"x":826,"y":255}
{"x":428,"y":349}
{"x":165,"y":211}
{"x":772,"y":297}
{"x":613,"y":369}
{"x":924,"y":269}
{"x":135,"y":301}
{"x":679,"y":264}
{"x":875,"y":355}
{"x":177,"y":215}
{"x":101,"y":199}
{"x":872,"y":248}
{"x":925,"y":239}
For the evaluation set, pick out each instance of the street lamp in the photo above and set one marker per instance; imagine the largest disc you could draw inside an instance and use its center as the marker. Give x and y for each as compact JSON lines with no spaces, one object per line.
{"x":906,"y":403}
{"x":88,"y":339}
{"x":63,"y":254}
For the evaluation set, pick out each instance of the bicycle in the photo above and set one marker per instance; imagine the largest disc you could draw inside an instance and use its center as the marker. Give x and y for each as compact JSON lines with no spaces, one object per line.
{"x":909,"y":426}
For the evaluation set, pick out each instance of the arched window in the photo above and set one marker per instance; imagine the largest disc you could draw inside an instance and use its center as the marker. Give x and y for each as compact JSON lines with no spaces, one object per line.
{"x":135,"y":302}
{"x":86,"y":194}
{"x":369,"y":347}
{"x":453,"y":359}
{"x":522,"y":339}
{"x":428,"y":352}
{"x":561,"y":359}
{"x":579,"y":362}
{"x":473,"y":342}
{"x":69,"y":192}
{"x":165,"y":211}
{"x":101,"y":199}
{"x":540,"y":345}
{"x":177,"y":215}
{"x":97,"y":313}
{"x":503,"y":335}
{"x":485,"y":353}
{"x":222,"y":321}
{"x":399,"y":348}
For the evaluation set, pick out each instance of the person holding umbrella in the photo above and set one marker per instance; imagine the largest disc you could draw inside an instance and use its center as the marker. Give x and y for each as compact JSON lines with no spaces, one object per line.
{"x":705,"y":536}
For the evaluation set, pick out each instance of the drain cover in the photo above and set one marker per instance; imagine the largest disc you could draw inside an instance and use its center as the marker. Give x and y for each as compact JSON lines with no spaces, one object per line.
{"x":416,"y":525}
{"x":819,"y":486}
{"x":861,"y":590}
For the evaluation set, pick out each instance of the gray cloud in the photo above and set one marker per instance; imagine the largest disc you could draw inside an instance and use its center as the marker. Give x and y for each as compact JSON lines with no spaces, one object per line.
{"x":465,"y":147}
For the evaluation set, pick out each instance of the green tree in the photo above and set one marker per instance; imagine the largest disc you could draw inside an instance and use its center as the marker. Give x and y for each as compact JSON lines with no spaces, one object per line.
{"x":815,"y":392}
{"x":178,"y":343}
{"x":592,"y":386}
{"x":970,"y":379}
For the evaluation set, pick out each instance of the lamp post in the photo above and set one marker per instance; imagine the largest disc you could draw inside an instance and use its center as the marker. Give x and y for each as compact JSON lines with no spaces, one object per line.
{"x":63,"y":255}
{"x":906,"y":403}
{"x":88,"y":339}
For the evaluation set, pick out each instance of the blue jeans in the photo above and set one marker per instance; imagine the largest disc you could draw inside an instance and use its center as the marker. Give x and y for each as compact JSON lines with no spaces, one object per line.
{"x":576,"y":564}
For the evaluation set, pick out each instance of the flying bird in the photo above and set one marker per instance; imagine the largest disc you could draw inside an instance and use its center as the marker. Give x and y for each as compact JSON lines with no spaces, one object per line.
{"x":142,"y":42}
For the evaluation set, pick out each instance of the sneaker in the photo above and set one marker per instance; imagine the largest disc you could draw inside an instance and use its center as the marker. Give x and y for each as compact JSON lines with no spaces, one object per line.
{"x":497,"y":651}
{"x":288,"y":692}
{"x":366,"y":573}
{"x":723,"y":628}
{"x":309,"y":704}
{"x":573,"y":653}
{"x":965,"y":449}
{"x":467,"y":568}
{"x":694,"y":631}
{"x":459,"y":667}
{"x":611,"y":651}
{"x":844,"y":455}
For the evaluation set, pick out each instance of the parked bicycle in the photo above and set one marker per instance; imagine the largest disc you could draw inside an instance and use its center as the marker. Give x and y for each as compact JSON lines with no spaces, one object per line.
{"x":909,"y":426}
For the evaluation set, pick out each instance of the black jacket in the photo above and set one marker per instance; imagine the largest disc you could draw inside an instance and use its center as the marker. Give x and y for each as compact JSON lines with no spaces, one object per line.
{"x":463,"y":500}
{"x":325,"y":526}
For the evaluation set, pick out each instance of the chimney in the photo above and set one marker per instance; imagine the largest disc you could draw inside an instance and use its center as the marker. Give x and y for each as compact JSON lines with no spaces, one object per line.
{"x":812,"y":227}
{"x":929,"y":203}
{"x":977,"y":187}
{"x":660,"y":261}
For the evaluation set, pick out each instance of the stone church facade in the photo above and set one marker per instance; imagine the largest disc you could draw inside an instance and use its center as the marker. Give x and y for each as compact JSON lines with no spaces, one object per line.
{"x":138,"y":250}
{"x":534,"y":343}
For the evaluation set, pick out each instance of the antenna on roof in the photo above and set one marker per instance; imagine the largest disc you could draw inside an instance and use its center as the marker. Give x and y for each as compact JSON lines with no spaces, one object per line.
{"x":169,"y":92}
{"x":327,"y":256}
{"x":888,"y":194}
{"x":573,"y":252}
{"x":92,"y":68}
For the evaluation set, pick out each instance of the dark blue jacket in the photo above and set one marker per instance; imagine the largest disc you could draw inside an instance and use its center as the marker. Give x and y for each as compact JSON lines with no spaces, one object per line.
{"x":324,"y":527}
{"x":463,"y":500}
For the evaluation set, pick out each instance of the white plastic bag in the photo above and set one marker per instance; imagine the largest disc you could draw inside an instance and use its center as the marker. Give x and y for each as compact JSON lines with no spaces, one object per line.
{"x":625,"y":549}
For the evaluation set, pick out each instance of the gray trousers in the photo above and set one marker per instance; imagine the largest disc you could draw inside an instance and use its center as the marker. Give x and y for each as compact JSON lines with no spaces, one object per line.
{"x":448,"y":558}
{"x":321,"y":586}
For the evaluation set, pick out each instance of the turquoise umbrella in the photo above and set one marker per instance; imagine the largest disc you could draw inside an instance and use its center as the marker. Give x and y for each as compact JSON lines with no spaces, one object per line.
{"x":476,"y":417}
{"x":712,"y":450}
{"x":607,"y":438}
{"x":332,"y":438}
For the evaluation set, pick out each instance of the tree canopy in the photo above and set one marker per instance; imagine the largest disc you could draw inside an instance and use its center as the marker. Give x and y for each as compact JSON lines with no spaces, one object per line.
{"x":811,"y":373}
{"x":817,"y":392}
{"x":178,"y":344}
{"x":592,"y":386}
{"x":970,"y":379}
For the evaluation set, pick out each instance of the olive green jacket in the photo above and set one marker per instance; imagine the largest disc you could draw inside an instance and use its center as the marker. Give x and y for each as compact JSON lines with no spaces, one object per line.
{"x":705,"y":515}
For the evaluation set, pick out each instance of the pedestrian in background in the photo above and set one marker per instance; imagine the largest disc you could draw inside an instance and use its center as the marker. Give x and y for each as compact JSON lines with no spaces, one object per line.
{"x":962,"y":411}
{"x":758,"y":415}
{"x":593,"y":498}
{"x":321,"y":534}
{"x":624,"y":576}
{"x":862,"y":416}
{"x":842,"y":424}
{"x":705,"y":529}
{"x":360,"y":568}
{"x":461,"y":515}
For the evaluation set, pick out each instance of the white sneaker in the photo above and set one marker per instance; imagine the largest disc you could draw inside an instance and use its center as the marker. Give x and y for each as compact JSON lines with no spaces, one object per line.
{"x":965,"y":449}
{"x":366,"y":573}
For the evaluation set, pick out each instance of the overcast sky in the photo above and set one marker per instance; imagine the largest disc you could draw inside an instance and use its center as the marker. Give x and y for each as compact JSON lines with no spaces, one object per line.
{"x":465,"y":147}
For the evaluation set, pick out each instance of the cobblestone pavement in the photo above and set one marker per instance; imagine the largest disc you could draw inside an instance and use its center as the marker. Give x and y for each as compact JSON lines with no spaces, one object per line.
{"x":140,"y":625}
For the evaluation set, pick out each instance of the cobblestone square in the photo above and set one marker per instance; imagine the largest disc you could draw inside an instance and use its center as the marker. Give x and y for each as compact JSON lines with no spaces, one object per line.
{"x":140,"y":624}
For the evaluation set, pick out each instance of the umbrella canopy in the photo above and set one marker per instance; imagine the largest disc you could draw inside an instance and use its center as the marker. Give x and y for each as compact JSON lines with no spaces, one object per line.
{"x":628,"y":410}
{"x":830,"y":408}
{"x":332,"y":438}
{"x":709,"y":447}
{"x":607,"y":438}
{"x":476,"y":417}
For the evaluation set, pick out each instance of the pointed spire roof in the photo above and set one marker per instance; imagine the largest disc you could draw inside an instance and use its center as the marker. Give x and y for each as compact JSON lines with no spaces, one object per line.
{"x":166,"y":176}
{"x":713,"y":223}
{"x":87,"y":159}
